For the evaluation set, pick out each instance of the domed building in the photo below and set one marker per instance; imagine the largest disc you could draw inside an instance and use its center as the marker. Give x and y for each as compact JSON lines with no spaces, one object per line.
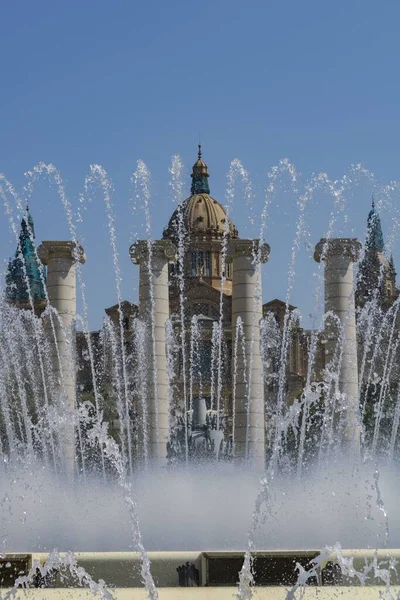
{"x":201,"y":228}
{"x":214,"y":385}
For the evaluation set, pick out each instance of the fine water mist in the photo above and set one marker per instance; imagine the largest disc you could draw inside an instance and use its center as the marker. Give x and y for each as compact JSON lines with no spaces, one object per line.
{"x":206,"y":508}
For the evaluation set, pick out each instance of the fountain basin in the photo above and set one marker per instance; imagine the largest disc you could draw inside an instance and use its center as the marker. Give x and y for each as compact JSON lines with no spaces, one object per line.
{"x":227,"y":593}
{"x":215,"y":573}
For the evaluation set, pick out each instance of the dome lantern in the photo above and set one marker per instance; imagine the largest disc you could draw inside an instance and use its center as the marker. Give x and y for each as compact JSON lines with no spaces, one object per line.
{"x":199,"y":176}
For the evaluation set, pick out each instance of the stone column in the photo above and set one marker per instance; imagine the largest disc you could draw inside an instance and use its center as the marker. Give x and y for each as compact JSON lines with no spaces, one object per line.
{"x":249,"y":419}
{"x":154,"y":310}
{"x":339,"y":255}
{"x":60,"y":259}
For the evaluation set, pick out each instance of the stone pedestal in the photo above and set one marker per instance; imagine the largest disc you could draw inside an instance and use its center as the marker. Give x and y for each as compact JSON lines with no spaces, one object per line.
{"x":339,"y":255}
{"x":249,"y":419}
{"x":154,"y":310}
{"x":60,"y":259}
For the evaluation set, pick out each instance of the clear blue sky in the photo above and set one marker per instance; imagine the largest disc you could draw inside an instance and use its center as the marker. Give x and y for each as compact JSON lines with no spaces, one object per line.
{"x":111,"y":82}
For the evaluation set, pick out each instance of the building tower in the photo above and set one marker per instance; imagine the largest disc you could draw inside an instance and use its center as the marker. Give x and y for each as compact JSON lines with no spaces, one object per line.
{"x":378,"y":319}
{"x":25,"y":277}
{"x":376,"y":274}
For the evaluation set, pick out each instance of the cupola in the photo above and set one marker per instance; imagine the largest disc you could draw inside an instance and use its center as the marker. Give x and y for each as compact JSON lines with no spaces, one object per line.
{"x":202,"y":215}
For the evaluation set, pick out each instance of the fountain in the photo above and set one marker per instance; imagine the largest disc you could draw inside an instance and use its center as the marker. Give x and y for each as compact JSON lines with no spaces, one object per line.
{"x":202,"y":438}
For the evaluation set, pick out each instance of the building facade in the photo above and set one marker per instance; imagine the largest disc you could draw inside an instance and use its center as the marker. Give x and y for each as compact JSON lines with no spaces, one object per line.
{"x":189,"y":371}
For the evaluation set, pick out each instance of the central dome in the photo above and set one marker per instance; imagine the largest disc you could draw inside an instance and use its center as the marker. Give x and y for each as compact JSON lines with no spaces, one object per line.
{"x":202,"y":215}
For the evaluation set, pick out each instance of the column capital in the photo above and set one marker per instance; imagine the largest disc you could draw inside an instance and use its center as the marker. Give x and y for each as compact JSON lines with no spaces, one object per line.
{"x":328,"y":247}
{"x":61,"y":249}
{"x":139,"y":251}
{"x":238,"y":247}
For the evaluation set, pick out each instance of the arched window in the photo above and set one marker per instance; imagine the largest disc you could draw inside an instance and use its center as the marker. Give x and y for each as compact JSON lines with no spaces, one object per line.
{"x":201,"y":263}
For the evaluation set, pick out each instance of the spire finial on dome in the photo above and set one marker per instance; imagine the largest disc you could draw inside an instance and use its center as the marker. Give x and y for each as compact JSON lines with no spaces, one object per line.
{"x":199,"y":175}
{"x":27,"y":225}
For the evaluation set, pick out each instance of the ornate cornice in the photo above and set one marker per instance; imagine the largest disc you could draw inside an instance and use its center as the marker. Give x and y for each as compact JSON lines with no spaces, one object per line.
{"x":248,"y":248}
{"x":348,"y":247}
{"x":139,"y":251}
{"x":55,"y":249}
